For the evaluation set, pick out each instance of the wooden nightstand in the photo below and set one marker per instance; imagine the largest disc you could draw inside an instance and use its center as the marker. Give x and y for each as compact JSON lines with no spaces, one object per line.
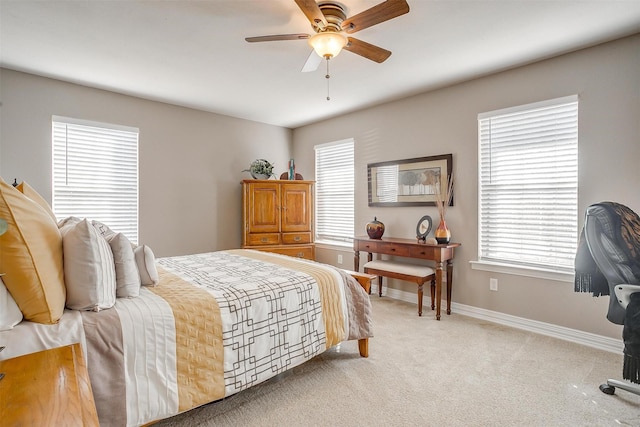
{"x":49,"y":387}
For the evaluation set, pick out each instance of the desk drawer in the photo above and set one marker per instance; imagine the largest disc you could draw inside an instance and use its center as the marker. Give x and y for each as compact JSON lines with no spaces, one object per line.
{"x":423,"y":251}
{"x":394,"y":249}
{"x":370,"y":246}
{"x":381,"y":247}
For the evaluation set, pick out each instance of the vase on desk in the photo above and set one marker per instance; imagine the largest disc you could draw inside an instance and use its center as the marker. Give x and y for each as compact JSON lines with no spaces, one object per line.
{"x":442,"y":233}
{"x":375,"y":229}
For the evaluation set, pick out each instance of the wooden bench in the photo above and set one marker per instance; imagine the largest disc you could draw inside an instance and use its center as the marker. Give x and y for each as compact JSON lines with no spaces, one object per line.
{"x":418,"y":274}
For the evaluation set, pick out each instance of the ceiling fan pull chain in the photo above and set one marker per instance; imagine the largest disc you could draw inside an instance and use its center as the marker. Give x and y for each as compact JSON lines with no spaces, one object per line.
{"x":327,"y":76}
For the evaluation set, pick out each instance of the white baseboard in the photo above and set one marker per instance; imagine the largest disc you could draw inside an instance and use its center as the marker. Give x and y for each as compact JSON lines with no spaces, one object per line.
{"x":580,"y":337}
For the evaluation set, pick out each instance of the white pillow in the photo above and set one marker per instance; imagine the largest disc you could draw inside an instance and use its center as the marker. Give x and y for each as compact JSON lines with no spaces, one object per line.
{"x":89,"y":270}
{"x":146,"y":265}
{"x":70,"y":220}
{"x":103,"y":229}
{"x":10,"y":314}
{"x":127,"y":276}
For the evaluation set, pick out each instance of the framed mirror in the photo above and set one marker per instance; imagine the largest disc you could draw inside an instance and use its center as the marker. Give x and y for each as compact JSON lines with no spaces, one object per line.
{"x":424,"y":227}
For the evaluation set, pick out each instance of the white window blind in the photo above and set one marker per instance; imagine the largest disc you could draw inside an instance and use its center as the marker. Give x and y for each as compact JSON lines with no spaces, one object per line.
{"x":335,"y":191}
{"x":528,"y":185}
{"x":95,"y":173}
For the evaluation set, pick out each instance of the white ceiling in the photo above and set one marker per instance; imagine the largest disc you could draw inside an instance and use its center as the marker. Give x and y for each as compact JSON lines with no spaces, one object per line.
{"x":193,"y":53}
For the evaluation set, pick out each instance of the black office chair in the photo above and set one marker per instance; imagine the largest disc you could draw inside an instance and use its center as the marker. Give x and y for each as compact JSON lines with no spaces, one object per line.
{"x":612,"y":234}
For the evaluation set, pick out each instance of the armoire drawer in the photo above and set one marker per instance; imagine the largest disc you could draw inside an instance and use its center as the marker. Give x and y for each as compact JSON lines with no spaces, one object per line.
{"x":296,"y":238}
{"x":263,"y":239}
{"x":306,"y":251}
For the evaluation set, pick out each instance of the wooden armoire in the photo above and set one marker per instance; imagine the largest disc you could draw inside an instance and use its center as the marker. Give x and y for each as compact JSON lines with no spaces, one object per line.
{"x":278,"y":217}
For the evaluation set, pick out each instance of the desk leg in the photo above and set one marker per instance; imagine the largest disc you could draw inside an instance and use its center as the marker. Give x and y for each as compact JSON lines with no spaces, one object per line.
{"x":449,"y":284}
{"x":438,"y":288}
{"x":356,"y":261}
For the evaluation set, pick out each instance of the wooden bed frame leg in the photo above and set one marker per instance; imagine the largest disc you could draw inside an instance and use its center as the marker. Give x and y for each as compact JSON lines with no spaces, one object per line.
{"x":363,"y":346}
{"x":365,"y":281}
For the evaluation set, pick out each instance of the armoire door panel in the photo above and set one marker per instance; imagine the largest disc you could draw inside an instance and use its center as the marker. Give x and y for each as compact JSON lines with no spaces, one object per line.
{"x":296,"y":201}
{"x":264,"y":208}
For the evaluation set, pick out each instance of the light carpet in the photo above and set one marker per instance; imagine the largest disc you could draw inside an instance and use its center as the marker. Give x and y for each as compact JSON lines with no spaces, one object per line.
{"x":459,"y":371}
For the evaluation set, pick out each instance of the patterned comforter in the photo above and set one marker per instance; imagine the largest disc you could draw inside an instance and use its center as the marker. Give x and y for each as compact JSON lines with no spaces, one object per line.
{"x":216,"y":324}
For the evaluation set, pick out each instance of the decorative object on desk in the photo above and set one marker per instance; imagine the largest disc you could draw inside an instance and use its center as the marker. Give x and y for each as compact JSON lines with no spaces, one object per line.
{"x":410,"y":182}
{"x":442,"y":233}
{"x":431,"y":241}
{"x":260,"y":169}
{"x":375,"y":229}
{"x":423,"y":228}
{"x":15,"y":182}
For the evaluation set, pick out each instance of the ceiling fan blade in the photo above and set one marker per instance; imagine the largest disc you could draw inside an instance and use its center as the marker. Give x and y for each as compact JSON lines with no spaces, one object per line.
{"x":277,"y":37}
{"x":313,"y":13}
{"x":384,"y":11}
{"x":367,"y":50}
{"x":313,"y":62}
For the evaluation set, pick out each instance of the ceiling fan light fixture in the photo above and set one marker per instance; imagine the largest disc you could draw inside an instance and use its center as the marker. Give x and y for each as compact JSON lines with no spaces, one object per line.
{"x":328,"y":44}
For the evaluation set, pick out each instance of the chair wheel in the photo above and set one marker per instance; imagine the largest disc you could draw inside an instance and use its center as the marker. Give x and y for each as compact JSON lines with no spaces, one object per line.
{"x":607,"y":389}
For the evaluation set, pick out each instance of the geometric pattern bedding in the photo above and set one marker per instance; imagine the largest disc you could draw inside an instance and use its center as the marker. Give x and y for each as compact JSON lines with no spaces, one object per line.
{"x":216,"y":324}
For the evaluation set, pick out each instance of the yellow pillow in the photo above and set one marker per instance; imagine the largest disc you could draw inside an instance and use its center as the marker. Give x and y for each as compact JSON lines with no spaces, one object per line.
{"x":28,"y":191}
{"x":31,"y":257}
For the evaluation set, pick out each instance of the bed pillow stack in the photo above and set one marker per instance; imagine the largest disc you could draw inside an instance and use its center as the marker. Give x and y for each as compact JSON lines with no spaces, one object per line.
{"x":31,"y":256}
{"x":77,"y":263}
{"x":89,"y":270}
{"x":127,"y":276}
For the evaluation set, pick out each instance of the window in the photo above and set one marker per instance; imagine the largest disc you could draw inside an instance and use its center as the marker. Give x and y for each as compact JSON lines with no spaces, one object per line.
{"x":528,"y":185}
{"x":335,"y":191}
{"x":95,"y":173}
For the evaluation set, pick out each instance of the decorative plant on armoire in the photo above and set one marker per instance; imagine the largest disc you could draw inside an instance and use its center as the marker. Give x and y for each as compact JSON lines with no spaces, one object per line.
{"x":260,"y":169}
{"x":442,"y":233}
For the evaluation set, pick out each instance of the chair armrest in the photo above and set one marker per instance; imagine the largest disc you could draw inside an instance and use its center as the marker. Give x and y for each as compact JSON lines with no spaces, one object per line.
{"x":623,"y":293}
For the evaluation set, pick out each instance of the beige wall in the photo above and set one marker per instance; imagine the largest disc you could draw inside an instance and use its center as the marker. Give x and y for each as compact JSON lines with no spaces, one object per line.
{"x":607,"y":80}
{"x":190,"y":161}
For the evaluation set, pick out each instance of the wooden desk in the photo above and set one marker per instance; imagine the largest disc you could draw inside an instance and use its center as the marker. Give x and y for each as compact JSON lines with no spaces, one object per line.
{"x":49,"y":387}
{"x":412,"y":249}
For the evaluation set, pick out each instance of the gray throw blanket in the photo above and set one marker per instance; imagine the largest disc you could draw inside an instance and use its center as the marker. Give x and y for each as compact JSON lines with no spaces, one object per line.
{"x":588,"y":278}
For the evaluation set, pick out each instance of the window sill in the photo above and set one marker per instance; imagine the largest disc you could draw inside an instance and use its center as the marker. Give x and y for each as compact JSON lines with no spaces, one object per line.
{"x":334,"y":245}
{"x":522,"y":271}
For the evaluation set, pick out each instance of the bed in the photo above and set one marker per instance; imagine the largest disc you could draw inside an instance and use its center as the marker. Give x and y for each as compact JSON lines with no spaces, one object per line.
{"x":216,"y":324}
{"x":209,"y":326}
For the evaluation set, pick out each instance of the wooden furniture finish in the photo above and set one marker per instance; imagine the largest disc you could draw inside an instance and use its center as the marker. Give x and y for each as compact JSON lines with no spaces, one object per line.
{"x":50,"y":387}
{"x":278,"y":217}
{"x":419,"y":280}
{"x":410,"y":248}
{"x":363,"y":278}
{"x":365,"y":281}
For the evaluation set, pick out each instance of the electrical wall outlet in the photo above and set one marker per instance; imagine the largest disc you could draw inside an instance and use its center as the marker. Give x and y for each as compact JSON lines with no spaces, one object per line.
{"x":339,"y":258}
{"x":493,"y":284}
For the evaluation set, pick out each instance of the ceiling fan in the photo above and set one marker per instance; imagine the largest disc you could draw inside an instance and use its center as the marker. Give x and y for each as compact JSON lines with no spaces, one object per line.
{"x":330,"y":23}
